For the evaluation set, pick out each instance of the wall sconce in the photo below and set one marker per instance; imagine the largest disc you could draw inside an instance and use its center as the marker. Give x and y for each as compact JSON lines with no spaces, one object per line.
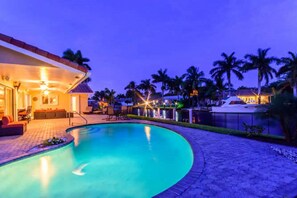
{"x":5,"y":77}
{"x":16,"y":85}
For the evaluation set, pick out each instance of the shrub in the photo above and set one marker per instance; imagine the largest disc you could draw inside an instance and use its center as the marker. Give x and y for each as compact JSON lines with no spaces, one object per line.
{"x":253,"y":130}
{"x":53,"y":141}
{"x":284,"y":108}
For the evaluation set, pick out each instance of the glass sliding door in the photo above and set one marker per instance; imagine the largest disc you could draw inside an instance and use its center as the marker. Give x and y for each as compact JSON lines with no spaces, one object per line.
{"x":2,"y":101}
{"x":6,"y":101}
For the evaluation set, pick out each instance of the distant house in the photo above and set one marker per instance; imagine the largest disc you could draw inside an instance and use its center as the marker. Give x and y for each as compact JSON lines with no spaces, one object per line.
{"x":32,"y":77}
{"x":250,"y":96}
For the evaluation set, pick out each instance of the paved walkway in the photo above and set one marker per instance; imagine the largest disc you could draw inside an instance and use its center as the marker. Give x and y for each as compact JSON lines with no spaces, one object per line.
{"x":228,"y":166}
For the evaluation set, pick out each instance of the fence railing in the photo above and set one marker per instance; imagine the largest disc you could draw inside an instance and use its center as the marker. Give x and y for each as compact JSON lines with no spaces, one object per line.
{"x":226,"y":120}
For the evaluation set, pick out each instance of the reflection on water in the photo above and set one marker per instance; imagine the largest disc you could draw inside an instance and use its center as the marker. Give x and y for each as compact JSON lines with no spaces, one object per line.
{"x":147,"y":130}
{"x":79,"y":170}
{"x":75,"y":134}
{"x":46,"y":171}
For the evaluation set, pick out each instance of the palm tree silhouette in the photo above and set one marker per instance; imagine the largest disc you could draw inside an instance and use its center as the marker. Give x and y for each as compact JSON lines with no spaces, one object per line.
{"x":194,"y":79}
{"x":230,"y":64}
{"x":147,"y":87}
{"x":133,"y":88}
{"x":262,"y":64}
{"x":109,"y":94}
{"x":161,"y":77}
{"x":175,"y":85}
{"x":289,"y":69}
{"x":77,"y":58}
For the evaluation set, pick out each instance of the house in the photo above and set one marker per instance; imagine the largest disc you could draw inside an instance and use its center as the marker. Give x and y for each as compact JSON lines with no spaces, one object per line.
{"x":250,"y":96}
{"x":30,"y":76}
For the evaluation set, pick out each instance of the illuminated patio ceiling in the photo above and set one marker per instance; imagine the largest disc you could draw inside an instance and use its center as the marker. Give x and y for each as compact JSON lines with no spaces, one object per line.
{"x":32,"y":77}
{"x":33,"y":67}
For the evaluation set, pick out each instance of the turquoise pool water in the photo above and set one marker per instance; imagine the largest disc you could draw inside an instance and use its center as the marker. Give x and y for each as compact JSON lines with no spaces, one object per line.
{"x":107,"y":160}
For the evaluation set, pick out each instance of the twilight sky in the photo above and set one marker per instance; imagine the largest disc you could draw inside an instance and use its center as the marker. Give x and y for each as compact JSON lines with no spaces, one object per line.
{"x":132,"y":39}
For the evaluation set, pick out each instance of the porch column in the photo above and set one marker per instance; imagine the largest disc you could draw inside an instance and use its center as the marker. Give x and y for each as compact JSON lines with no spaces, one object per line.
{"x":15,"y":104}
{"x":190,"y":116}
{"x":174,"y":114}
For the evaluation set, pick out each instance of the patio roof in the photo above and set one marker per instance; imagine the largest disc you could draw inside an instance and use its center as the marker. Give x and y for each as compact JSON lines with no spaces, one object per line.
{"x":33,"y":67}
{"x":82,"y":88}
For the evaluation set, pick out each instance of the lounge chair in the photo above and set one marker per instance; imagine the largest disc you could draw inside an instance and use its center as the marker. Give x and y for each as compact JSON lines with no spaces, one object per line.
{"x":25,"y":115}
{"x":124,"y":113}
{"x":89,"y":110}
{"x":7,"y":127}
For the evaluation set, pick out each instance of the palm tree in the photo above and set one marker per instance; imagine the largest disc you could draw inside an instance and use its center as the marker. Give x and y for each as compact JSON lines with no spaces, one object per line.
{"x":161,"y":77}
{"x":99,"y":95}
{"x":175,"y":84}
{"x":147,"y":87}
{"x":230,"y":64}
{"x":133,"y":88}
{"x":289,"y":69}
{"x":220,"y":87}
{"x":109,"y":94}
{"x":262,"y":64}
{"x":78,"y":58}
{"x":194,"y":79}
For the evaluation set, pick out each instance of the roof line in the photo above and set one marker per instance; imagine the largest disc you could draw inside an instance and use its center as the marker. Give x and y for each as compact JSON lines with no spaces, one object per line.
{"x":41,"y":52}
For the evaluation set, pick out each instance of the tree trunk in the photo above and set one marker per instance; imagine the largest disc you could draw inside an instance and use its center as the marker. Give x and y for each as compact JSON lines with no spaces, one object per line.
{"x":162,"y":88}
{"x":259,"y":91}
{"x":229,"y":86}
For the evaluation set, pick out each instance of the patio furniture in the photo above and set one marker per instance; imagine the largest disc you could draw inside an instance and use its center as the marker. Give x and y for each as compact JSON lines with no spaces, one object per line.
{"x":11,"y":120}
{"x":50,"y":114}
{"x":110,"y":112}
{"x":11,"y":128}
{"x":124,"y":113}
{"x":26,"y":114}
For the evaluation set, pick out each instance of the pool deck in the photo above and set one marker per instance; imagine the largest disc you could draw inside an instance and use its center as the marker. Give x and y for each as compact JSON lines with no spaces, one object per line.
{"x":224,"y":165}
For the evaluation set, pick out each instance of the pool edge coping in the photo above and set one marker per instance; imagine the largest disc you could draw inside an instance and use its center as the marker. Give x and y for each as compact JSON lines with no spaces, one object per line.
{"x":175,"y":190}
{"x":196,"y":169}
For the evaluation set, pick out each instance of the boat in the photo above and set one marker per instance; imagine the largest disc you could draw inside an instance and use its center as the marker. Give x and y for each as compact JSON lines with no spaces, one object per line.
{"x":234,"y":104}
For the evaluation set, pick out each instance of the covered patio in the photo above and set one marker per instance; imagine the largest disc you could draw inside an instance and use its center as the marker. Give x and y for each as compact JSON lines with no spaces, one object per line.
{"x":34,"y":80}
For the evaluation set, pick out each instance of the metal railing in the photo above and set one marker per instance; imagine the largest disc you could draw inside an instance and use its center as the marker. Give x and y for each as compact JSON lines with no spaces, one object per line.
{"x":75,"y":112}
{"x":225,"y":120}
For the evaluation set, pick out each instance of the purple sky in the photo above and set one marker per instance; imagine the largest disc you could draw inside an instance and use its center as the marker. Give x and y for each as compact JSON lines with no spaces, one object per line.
{"x":130,"y":40}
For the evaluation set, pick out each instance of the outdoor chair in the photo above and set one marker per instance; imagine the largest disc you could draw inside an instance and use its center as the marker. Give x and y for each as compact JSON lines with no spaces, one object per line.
{"x":124,"y":112}
{"x":25,"y":115}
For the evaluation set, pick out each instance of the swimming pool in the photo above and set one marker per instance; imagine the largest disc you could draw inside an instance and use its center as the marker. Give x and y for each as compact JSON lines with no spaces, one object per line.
{"x":105,"y":160}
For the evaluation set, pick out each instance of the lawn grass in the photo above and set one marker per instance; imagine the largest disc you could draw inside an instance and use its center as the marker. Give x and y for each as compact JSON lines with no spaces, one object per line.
{"x":261,"y":137}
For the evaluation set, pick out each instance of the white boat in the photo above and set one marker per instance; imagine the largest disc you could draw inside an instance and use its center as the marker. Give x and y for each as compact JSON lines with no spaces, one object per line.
{"x":235,"y":105}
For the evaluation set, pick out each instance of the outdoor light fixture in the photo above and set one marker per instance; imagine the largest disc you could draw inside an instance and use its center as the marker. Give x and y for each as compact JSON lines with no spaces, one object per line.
{"x":46,"y":92}
{"x":43,"y":86}
{"x":16,"y":84}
